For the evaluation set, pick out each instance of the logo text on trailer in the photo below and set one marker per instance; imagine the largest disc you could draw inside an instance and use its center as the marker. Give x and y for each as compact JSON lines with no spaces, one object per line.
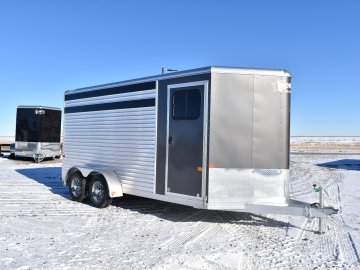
{"x":281,"y":86}
{"x":41,"y":112}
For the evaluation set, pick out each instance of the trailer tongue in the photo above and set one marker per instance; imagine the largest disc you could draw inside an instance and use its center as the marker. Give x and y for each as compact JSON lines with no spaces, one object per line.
{"x":294,"y":208}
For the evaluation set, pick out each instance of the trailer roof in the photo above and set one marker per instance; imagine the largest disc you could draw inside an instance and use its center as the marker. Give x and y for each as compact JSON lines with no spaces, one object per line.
{"x":38,"y":107}
{"x":212,"y":69}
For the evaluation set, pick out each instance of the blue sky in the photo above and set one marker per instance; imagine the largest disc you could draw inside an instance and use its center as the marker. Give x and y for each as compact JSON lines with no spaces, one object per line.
{"x":47,"y":47}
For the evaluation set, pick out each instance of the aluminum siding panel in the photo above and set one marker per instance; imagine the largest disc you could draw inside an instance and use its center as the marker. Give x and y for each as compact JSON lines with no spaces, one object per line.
{"x":249,"y":122}
{"x":271,"y":112}
{"x":121,"y":139}
{"x":231,"y":120}
{"x":249,"y":140}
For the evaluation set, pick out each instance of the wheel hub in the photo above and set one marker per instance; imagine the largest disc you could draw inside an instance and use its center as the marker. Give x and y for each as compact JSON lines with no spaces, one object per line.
{"x":97,"y":191}
{"x":76,"y":187}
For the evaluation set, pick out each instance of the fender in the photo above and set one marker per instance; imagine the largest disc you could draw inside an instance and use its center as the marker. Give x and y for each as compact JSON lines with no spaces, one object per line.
{"x":111,"y":178}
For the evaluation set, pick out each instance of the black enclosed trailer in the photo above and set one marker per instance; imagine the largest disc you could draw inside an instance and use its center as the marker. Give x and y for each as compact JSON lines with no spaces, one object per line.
{"x":38,"y":132}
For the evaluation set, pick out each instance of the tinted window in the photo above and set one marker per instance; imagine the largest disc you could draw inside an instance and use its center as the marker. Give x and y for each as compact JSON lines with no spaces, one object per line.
{"x":179,"y":105}
{"x":193,"y":104}
{"x":186,"y":104}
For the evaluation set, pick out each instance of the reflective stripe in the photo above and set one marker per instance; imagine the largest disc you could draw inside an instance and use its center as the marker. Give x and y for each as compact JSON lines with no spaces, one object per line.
{"x":112,"y":91}
{"x":112,"y":106}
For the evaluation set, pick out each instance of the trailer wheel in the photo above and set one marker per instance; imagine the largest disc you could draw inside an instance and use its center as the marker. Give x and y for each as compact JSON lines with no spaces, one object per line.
{"x":99,"y":192}
{"x":77,"y":185}
{"x":38,"y":158}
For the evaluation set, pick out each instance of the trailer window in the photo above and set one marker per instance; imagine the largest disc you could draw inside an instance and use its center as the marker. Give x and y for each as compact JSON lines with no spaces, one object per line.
{"x":186,"y":104}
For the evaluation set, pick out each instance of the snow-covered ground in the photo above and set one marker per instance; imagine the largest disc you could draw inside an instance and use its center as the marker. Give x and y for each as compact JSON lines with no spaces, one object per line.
{"x":40,"y":228}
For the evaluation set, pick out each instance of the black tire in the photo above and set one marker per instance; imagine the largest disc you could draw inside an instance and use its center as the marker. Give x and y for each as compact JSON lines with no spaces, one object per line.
{"x":77,"y":188}
{"x":99,"y":192}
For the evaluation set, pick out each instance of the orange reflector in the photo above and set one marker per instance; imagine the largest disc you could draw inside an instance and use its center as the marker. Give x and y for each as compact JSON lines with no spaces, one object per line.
{"x":209,"y":166}
{"x":113,"y":193}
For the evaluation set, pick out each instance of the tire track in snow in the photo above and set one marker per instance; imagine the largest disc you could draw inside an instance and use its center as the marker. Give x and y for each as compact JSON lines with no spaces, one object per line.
{"x":202,"y":222}
{"x":354,"y":247}
{"x":345,"y":249}
{"x":207,"y":225}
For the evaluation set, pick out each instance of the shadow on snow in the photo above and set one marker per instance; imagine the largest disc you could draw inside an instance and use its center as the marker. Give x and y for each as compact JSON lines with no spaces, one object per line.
{"x":48,"y":176}
{"x":344,"y":164}
{"x":180,"y":213}
{"x":51,"y":177}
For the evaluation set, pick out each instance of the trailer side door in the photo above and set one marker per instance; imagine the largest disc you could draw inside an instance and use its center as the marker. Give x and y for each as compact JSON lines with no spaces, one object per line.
{"x":186,"y":155}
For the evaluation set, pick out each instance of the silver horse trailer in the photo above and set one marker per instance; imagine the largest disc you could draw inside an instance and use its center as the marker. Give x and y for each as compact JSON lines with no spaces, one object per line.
{"x":38,"y":132}
{"x":212,"y":138}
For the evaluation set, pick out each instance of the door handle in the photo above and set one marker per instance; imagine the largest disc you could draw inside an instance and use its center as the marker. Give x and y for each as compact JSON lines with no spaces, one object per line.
{"x":170,"y":139}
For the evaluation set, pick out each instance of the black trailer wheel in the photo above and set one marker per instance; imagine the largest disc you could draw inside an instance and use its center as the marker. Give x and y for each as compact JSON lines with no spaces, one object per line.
{"x":99,"y":192}
{"x":77,"y":185}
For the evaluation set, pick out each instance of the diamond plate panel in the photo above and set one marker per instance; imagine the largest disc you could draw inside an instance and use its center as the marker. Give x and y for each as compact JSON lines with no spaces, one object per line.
{"x":268,"y":186}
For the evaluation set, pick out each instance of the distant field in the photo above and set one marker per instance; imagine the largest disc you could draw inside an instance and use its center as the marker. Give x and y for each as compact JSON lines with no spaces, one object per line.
{"x":7,"y":139}
{"x":325,"y":144}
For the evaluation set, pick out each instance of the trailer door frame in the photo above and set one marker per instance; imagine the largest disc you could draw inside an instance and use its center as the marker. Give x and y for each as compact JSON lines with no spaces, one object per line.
{"x":204,"y":109}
